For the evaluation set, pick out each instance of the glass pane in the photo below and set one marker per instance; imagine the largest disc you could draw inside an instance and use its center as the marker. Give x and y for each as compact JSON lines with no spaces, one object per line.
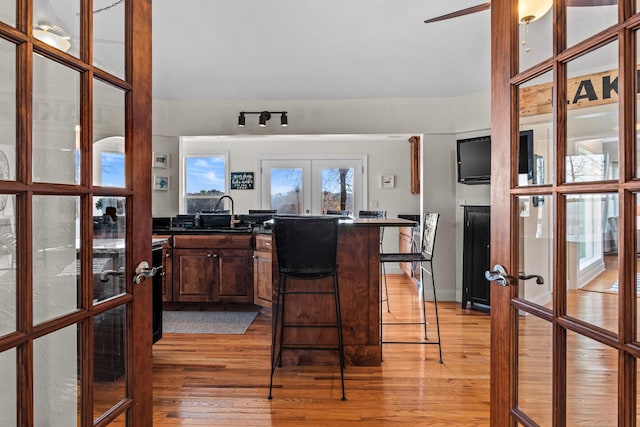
{"x":637,"y":284}
{"x":536,"y":21}
{"x":109,"y":359}
{"x":56,"y":376}
{"x":56,"y":272}
{"x":592,"y":384}
{"x":109,"y":228}
{"x":286,"y":190}
{"x":8,"y":12}
{"x":535,"y":376}
{"x":7,"y":109}
{"x":58,"y":24}
{"x":638,"y":114}
{"x":108,"y":135}
{"x":56,"y":114}
{"x":337,"y":190}
{"x":7,"y":264}
{"x":592,"y":264}
{"x":108,"y":36}
{"x":205,"y":183}
{"x":8,"y":396}
{"x":592,"y":122}
{"x":535,"y":153}
{"x":536,"y":242}
{"x":583,"y":22}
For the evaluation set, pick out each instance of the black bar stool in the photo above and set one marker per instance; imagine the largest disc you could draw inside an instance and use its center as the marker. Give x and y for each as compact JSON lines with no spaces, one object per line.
{"x":306,"y":248}
{"x":425,"y":256}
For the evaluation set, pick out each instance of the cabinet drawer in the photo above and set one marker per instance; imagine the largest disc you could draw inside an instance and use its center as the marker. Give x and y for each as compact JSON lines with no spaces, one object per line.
{"x":263,"y":242}
{"x":222,"y":240}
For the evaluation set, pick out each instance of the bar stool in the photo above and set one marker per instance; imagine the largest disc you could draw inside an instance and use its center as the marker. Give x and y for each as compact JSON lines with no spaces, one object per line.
{"x":425,"y":256}
{"x":383,"y":275}
{"x":306,"y":248}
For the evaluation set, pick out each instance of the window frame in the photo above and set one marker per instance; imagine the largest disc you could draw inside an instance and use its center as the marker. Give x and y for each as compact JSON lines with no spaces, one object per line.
{"x":195,"y":148}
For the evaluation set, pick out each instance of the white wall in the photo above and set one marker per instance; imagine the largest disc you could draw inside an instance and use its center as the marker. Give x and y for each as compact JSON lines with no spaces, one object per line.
{"x":440,"y":120}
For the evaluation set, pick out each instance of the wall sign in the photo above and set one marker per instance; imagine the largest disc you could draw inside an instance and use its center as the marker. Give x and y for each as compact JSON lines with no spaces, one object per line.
{"x":242,"y":180}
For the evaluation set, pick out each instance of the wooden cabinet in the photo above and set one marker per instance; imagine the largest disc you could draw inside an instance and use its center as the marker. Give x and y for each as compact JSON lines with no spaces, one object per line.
{"x":475,"y":256}
{"x":167,"y":273}
{"x":194,"y":275}
{"x":210,"y":268}
{"x":407,"y":244}
{"x":262,"y":271}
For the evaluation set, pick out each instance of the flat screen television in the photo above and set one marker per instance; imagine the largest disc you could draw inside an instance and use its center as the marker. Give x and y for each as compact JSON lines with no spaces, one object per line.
{"x":474,"y":158}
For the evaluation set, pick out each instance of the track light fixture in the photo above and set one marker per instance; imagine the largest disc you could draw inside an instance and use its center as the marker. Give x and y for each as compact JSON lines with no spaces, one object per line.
{"x":265,"y":116}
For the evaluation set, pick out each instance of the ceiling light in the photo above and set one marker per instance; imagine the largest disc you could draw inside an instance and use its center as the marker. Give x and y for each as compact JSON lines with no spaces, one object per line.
{"x":532,"y":10}
{"x":53,"y":36}
{"x":265,"y":116}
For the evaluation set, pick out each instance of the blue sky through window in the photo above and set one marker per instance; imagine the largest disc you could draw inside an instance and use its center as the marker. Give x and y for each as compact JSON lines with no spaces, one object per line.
{"x":112,"y":169}
{"x":205,"y":173}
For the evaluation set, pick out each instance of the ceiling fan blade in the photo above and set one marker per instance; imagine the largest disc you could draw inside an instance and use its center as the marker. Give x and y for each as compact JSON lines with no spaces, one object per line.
{"x":583,"y":3}
{"x":462,"y":12}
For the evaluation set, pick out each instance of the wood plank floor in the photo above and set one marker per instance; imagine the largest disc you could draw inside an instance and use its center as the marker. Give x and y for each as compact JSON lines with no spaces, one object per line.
{"x":223,"y":380}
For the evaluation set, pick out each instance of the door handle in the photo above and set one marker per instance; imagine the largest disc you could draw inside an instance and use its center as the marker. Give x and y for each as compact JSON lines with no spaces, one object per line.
{"x":143,"y":270}
{"x":104,"y":275}
{"x":539,"y":279}
{"x":498,"y":275}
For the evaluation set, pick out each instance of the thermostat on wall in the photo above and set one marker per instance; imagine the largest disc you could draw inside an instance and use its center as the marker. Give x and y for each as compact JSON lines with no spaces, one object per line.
{"x":387,"y":181}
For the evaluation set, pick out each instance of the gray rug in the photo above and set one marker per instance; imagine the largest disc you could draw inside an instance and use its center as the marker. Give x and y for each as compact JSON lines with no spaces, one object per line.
{"x":207,"y":322}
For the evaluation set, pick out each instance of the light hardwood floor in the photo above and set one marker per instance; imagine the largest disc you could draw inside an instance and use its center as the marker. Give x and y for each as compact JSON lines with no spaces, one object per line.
{"x":223,"y":380}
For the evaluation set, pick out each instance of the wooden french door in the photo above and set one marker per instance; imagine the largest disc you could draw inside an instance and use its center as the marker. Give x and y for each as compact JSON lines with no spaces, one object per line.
{"x":564,"y":344}
{"x":75,"y":117}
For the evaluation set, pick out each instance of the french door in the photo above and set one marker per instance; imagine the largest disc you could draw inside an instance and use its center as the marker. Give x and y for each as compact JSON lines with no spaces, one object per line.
{"x":75,"y":96}
{"x":564,"y":240}
{"x":313,"y":186}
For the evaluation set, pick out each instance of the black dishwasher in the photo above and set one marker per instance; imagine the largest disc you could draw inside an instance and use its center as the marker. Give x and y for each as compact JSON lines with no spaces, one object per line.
{"x":156,"y":260}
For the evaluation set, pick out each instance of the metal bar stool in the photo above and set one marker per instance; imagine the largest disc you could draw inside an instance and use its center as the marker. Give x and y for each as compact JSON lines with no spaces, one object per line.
{"x":383,"y":274}
{"x":306,"y":248}
{"x":425,"y":256}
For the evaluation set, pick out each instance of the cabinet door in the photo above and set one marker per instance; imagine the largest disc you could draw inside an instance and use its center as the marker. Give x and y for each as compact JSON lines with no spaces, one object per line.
{"x":167,"y":275}
{"x":262,"y":278}
{"x":405,"y":247}
{"x":476,"y":255}
{"x":235,"y":280}
{"x":194,"y":275}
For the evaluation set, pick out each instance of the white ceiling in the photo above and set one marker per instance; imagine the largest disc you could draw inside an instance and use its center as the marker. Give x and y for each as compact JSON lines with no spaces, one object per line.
{"x":317,"y":49}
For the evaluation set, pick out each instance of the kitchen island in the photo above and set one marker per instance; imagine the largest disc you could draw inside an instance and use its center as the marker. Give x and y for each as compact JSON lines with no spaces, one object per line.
{"x":358,"y":261}
{"x":358,"y":274}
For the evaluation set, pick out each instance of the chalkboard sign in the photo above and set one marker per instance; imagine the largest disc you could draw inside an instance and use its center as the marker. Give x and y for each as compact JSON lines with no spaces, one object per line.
{"x":242,"y":180}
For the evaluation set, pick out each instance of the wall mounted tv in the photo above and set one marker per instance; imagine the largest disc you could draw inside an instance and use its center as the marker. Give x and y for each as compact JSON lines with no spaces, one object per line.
{"x":474,"y":158}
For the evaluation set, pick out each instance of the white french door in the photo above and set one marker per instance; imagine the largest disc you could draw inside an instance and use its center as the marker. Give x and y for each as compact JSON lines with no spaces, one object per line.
{"x":313,"y":186}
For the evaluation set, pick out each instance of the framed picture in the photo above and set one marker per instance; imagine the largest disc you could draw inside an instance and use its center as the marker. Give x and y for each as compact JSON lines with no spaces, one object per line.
{"x":160,"y":182}
{"x":160,"y":160}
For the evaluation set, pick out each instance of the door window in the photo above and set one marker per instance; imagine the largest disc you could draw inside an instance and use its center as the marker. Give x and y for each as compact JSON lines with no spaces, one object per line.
{"x":316,"y":186}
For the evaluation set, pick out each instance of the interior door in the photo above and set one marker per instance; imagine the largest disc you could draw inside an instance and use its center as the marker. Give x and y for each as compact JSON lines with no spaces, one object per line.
{"x":564,"y":244}
{"x":75,"y":343}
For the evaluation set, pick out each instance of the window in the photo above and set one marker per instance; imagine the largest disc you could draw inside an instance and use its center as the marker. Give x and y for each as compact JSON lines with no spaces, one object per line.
{"x":205,"y":182}
{"x":315,"y":186}
{"x":203,"y":175}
